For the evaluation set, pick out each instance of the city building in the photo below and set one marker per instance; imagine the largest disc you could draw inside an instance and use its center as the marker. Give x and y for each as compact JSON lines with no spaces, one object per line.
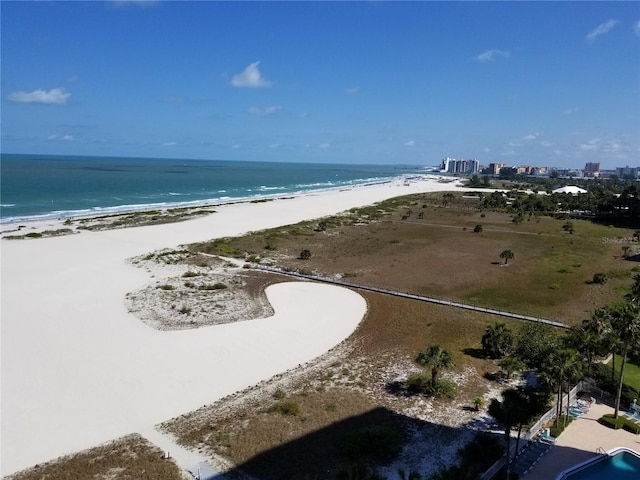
{"x":495,"y":167}
{"x":451,"y":165}
{"x":628,"y":172}
{"x":592,"y":169}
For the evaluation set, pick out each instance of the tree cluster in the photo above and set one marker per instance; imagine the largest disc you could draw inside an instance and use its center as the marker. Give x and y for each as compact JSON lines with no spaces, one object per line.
{"x":561,"y":360}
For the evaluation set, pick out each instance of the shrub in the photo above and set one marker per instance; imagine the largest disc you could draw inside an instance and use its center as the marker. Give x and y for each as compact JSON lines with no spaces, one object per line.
{"x":418,"y":382}
{"x":444,"y":388}
{"x":189,"y":274}
{"x":421,"y":383}
{"x":599,"y":278}
{"x":305,"y":255}
{"x":279,"y":394}
{"x":477,"y":229}
{"x":215,"y":286}
{"x":286,"y":408}
{"x":185,"y":310}
{"x":556,"y":430}
{"x":568,"y":227}
{"x":166,"y":287}
{"x":621,"y":422}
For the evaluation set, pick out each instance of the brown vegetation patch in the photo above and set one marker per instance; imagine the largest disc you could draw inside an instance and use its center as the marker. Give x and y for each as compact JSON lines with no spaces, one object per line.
{"x":351,"y":382}
{"x":128,"y":458}
{"x":415,"y":244}
{"x":393,"y":246}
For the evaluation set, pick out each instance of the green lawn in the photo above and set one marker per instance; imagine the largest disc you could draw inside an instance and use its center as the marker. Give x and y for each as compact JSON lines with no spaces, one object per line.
{"x":631,"y":373}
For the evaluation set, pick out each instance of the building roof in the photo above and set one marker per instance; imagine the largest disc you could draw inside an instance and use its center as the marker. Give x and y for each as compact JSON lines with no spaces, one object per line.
{"x":572,"y":189}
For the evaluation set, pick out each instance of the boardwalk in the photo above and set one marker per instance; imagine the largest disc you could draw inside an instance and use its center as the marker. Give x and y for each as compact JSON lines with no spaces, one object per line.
{"x":410,"y":296}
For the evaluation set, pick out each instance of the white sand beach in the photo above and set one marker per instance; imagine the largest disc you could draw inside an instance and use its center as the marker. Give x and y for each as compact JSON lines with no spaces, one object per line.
{"x":78,"y":370}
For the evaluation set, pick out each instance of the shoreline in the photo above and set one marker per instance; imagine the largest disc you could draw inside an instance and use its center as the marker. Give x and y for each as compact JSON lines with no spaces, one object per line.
{"x":40,"y":223}
{"x":78,"y":369}
{"x":117,"y":210}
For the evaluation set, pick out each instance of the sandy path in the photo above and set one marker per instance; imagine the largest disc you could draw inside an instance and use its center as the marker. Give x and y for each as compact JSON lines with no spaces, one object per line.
{"x":77,"y":370}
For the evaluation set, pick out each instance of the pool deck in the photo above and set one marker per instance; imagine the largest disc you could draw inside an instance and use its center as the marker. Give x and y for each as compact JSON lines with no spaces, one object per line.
{"x":580,"y":441}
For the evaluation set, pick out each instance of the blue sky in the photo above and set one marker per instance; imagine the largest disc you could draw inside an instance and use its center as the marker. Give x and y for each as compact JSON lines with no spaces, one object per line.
{"x":540,"y":83}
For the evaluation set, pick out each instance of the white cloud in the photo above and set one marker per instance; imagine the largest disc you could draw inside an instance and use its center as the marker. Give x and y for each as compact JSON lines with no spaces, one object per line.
{"x":66,"y":138}
{"x":409,"y":143}
{"x":352,"y":90}
{"x":325,"y":145}
{"x":56,"y":96}
{"x":531,"y":136}
{"x":601,"y":29}
{"x":636,"y":28}
{"x":590,"y":145}
{"x":250,"y":78}
{"x":545,"y":143}
{"x":274,"y":145}
{"x":491,"y":55}
{"x":169,"y":144}
{"x":262,"y":112}
{"x":570,"y":110}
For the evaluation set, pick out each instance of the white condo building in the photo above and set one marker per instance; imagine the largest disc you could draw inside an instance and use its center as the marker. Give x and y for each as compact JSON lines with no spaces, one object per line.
{"x":451,"y":165}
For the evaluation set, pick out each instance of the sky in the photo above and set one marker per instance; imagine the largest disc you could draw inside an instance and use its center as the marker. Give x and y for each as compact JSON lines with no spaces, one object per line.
{"x":524,"y":83}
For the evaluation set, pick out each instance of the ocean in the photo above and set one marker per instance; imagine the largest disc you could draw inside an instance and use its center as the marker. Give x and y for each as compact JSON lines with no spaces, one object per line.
{"x":39,"y":187}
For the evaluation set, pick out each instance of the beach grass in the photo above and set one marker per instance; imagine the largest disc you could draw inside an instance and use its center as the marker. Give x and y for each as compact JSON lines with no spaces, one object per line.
{"x":130,"y":457}
{"x":411,"y":244}
{"x":435,"y":252}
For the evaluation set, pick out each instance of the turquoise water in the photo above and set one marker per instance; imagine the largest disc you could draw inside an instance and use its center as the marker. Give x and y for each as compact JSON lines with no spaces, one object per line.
{"x":620,"y":466}
{"x":44,"y":186}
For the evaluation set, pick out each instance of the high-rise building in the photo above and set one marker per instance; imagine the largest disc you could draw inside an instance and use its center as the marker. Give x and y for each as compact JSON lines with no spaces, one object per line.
{"x":451,"y":165}
{"x":592,"y":169}
{"x":495,"y":167}
{"x":628,"y":172}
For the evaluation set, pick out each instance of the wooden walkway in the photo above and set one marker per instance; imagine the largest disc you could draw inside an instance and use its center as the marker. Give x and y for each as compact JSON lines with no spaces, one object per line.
{"x":410,"y":296}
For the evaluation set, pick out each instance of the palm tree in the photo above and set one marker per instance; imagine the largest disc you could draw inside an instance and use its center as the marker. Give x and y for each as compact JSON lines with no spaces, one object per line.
{"x":517,"y":408}
{"x":510,"y":365}
{"x":436,"y":358}
{"x":560,"y":370}
{"x":634,"y":295}
{"x":507,"y":255}
{"x":497,"y":340}
{"x":446,"y":198}
{"x":626,"y":325}
{"x":592,"y":337}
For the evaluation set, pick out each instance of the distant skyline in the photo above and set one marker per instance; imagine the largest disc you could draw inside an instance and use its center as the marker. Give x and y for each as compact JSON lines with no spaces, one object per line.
{"x":540,"y":83}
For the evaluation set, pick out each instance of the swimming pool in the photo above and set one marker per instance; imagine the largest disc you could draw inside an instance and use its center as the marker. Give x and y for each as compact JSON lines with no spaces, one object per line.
{"x":619,"y":464}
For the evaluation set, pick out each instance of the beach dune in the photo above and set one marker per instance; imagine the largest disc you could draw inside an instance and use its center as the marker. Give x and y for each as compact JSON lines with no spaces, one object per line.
{"x":78,"y":369}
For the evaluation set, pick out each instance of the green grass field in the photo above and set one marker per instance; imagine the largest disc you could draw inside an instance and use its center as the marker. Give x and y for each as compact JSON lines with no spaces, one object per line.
{"x":631,"y":373}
